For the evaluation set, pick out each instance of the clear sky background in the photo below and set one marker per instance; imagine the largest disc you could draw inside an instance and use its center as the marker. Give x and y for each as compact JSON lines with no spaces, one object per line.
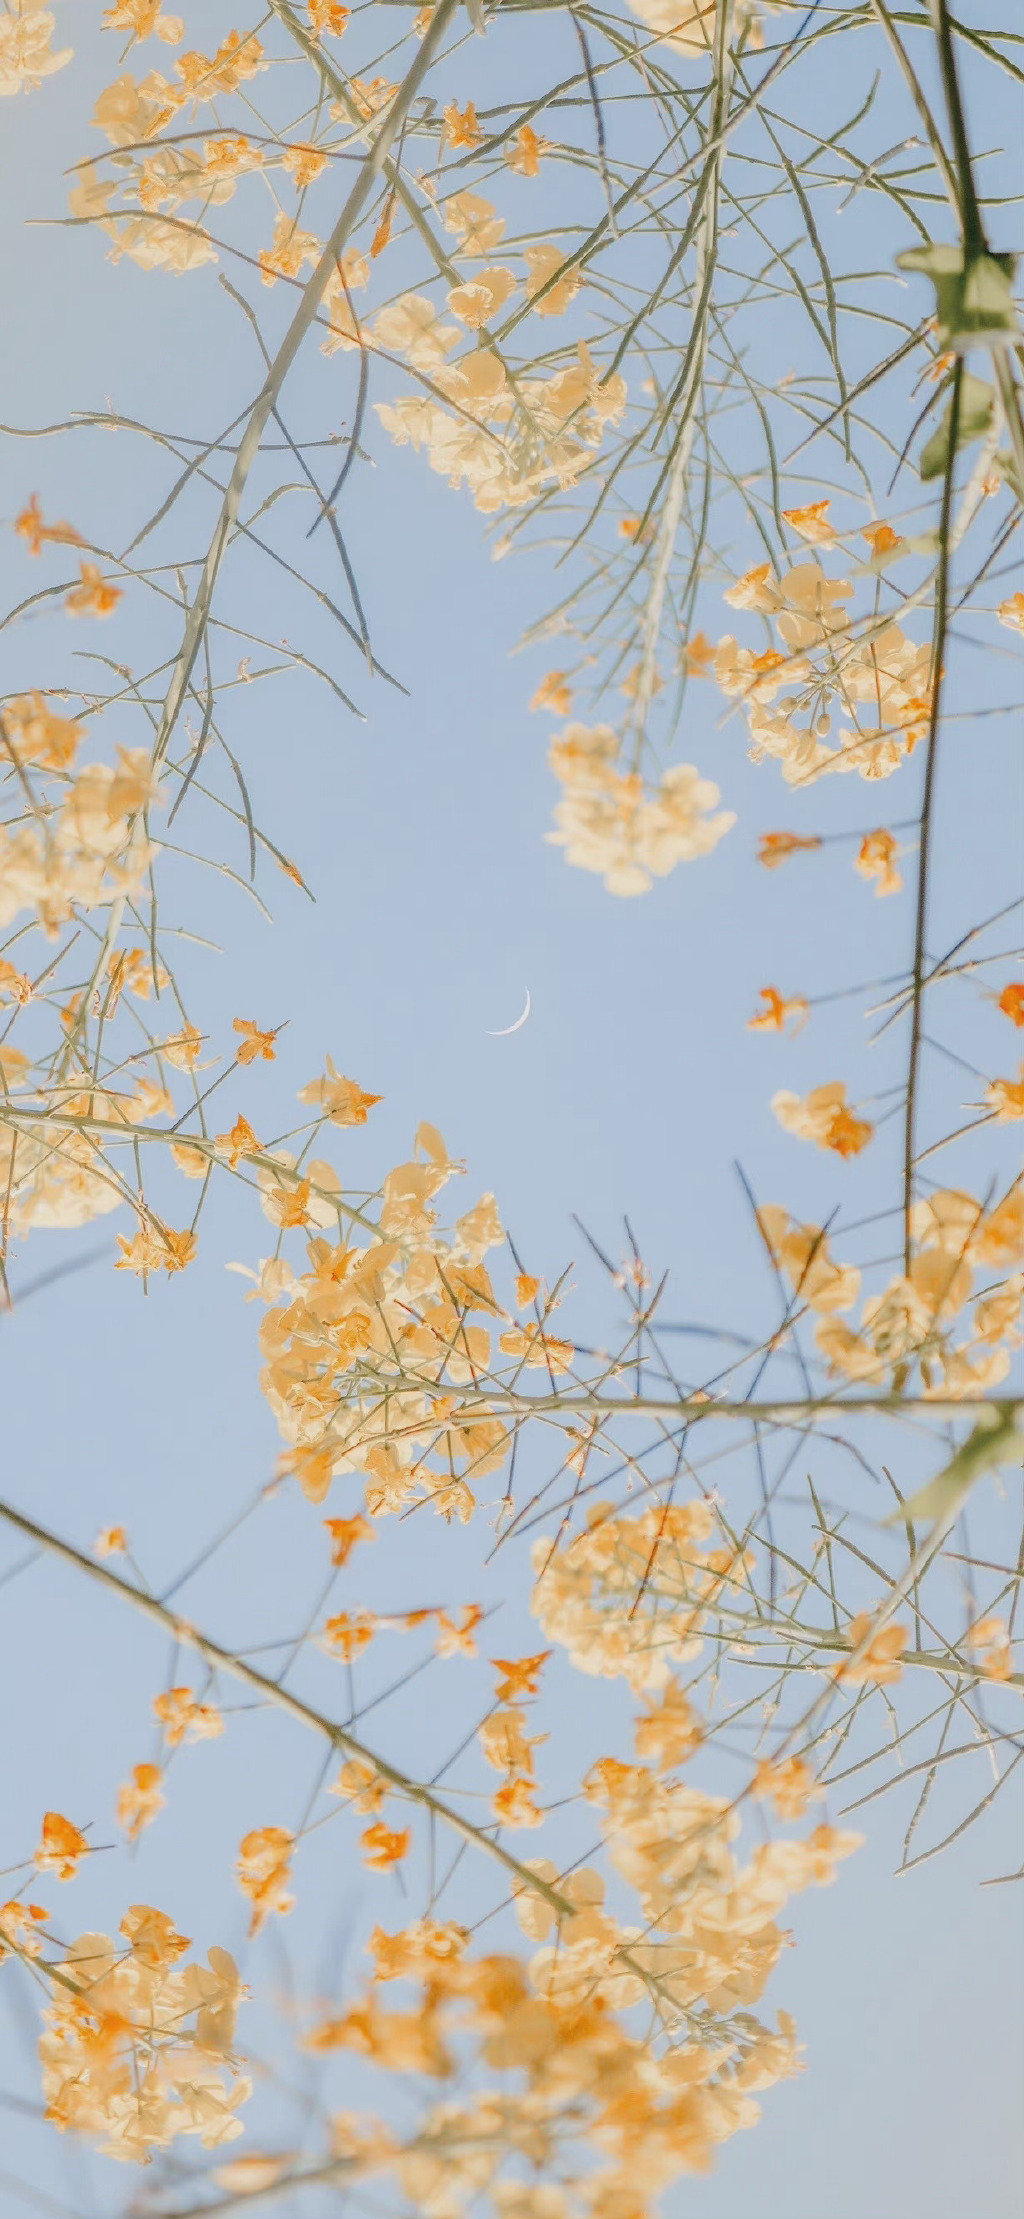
{"x":633,"y":1087}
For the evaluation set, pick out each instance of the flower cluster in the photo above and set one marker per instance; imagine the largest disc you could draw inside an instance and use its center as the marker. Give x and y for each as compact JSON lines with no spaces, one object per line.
{"x":611,"y":823}
{"x":137,"y":2050}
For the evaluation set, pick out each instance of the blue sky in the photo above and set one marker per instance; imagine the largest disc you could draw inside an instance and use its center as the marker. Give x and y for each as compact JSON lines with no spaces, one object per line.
{"x":633,"y":1087}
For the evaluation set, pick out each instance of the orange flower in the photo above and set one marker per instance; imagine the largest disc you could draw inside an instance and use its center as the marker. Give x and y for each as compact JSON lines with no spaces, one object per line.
{"x":360,"y":1785}
{"x":32,"y":528}
{"x":156,"y":1249}
{"x":554,"y":693}
{"x":347,"y":1634}
{"x":1011,"y":1002}
{"x":991,"y":1638}
{"x":1005,"y":1098}
{"x":513,"y":1804}
{"x":382,"y":1846}
{"x":458,"y":1640}
{"x":254,"y":1042}
{"x":339,"y":1099}
{"x":699,"y":655}
{"x":880,"y":1661}
{"x":303,"y":162}
{"x":240,"y":1141}
{"x":327,"y":15}
{"x":139,"y":1800}
{"x":461,"y":126}
{"x":95,"y":596}
{"x":790,"y":1785}
{"x":812,"y":523}
{"x":527,"y":1289}
{"x":823,"y":1117}
{"x":345,"y":1532}
{"x":112,"y":1541}
{"x":881,"y":539}
{"x":876,"y":858}
{"x":15,"y":984}
{"x":523,"y":153}
{"x":263,"y":1872}
{"x":183,"y":1718}
{"x":777,"y":847}
{"x":518,"y":1676}
{"x":182,"y":1048}
{"x":777,"y":1011}
{"x":1011,"y":612}
{"x":61,"y":1846}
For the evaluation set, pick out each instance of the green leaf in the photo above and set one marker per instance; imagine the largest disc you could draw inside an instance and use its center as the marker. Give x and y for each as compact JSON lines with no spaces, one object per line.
{"x":976,"y":404}
{"x":974,"y":302}
{"x":996,"y":1439}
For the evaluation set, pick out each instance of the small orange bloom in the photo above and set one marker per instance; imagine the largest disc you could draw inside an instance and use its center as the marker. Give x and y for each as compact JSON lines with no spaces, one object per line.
{"x":139,"y":1800}
{"x":527,"y":1289}
{"x":254,"y":1042}
{"x":523,"y":153}
{"x":96,"y":596}
{"x":699,"y":655}
{"x":812,"y":523}
{"x":513,"y":1804}
{"x":112,"y":1541}
{"x":382,"y":1846}
{"x":345,"y":1532}
{"x":347,"y":1634}
{"x":461,"y":125}
{"x":518,"y":1676}
{"x":554,"y":693}
{"x":32,"y":528}
{"x":263,"y":1872}
{"x":876,"y":858}
{"x":327,"y":15}
{"x":240,"y":1141}
{"x":880,"y":1661}
{"x":777,"y":1011}
{"x":1011,"y":1002}
{"x":1011,"y":612}
{"x":776,"y":847}
{"x":61,"y":1846}
{"x":881,"y":539}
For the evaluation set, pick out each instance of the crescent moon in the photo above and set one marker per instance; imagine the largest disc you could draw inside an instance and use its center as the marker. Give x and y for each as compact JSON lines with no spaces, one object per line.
{"x":504,"y":1030}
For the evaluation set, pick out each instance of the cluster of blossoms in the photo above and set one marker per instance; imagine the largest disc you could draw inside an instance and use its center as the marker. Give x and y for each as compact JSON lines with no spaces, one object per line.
{"x":138,"y":2049}
{"x":610,"y":822}
{"x":629,"y":1595}
{"x":375,"y":1359}
{"x":912,"y":1320}
{"x":79,"y":840}
{"x":876,"y":681}
{"x":647,"y":2113}
{"x":26,"y":52}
